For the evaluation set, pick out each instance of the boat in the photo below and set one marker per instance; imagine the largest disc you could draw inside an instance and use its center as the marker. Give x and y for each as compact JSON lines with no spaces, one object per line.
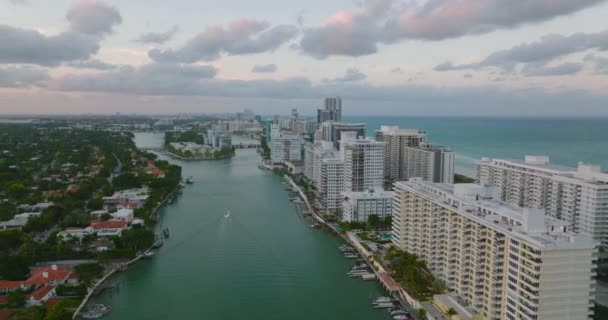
{"x":385,"y":305}
{"x":369,"y":276}
{"x":351,"y":256}
{"x":157,"y":244}
{"x":149,"y":254}
{"x":398,"y":312}
{"x":166,"y":233}
{"x":227,"y":214}
{"x":190,"y":180}
{"x":314,"y":225}
{"x":400,"y":317}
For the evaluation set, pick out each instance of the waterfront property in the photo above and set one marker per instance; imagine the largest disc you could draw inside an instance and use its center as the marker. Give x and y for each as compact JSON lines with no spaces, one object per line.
{"x":504,"y":262}
{"x":576,"y":195}
{"x":358,"y":206}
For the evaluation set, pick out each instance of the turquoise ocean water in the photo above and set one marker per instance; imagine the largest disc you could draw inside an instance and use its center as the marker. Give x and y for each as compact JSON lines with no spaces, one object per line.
{"x":566,"y":141}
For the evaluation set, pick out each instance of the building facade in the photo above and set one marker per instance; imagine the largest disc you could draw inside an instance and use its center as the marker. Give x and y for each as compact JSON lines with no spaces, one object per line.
{"x":285,"y":147}
{"x":429,"y":162}
{"x":358,"y":206}
{"x":363,"y":163}
{"x":576,"y":195}
{"x":505,"y":262}
{"x":397,"y":140}
{"x":332,"y":110}
{"x":331,"y":184}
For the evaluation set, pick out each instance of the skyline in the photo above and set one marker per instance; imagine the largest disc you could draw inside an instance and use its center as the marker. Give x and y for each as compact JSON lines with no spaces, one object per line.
{"x":480,"y":58}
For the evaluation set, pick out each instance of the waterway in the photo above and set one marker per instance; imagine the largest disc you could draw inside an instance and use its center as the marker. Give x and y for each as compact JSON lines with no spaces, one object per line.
{"x":264,"y":262}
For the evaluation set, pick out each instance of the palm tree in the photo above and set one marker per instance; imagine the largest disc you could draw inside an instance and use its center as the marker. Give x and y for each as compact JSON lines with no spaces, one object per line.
{"x":421,"y":313}
{"x":451,"y":313}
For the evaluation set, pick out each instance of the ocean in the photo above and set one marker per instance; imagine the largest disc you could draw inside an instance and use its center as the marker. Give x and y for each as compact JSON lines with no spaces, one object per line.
{"x":565,"y":141}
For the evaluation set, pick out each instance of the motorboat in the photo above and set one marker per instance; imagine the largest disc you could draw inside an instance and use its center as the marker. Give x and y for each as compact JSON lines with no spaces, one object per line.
{"x":227,"y":214}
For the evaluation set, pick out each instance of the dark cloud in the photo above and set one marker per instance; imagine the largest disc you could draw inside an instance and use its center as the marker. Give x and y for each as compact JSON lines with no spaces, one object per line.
{"x":267,"y":68}
{"x":351,"y":75}
{"x":22,"y":76}
{"x":158,"y":37}
{"x":150,"y":79}
{"x":93,"y":17}
{"x":389,"y":21}
{"x":91,"y":64}
{"x":567,"y":68}
{"x":240,"y":37}
{"x":30,"y":46}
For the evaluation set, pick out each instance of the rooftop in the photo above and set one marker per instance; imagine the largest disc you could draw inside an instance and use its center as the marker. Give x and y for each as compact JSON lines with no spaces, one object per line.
{"x":110,"y":224}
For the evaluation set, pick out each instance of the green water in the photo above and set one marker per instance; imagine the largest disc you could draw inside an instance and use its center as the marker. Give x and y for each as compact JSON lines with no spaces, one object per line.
{"x":264,"y":262}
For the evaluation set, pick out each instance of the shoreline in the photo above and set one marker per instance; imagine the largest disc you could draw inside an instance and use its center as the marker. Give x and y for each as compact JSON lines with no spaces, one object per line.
{"x":122,"y":266}
{"x":178,"y":157}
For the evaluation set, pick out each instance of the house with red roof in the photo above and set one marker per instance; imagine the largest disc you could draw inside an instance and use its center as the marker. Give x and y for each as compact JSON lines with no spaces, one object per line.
{"x":52,"y":276}
{"x":40,"y":296}
{"x":109,"y":228}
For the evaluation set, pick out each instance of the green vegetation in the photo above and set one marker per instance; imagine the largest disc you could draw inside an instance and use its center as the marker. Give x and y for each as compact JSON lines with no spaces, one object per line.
{"x":374,"y":222}
{"x":194,"y":137}
{"x":265,"y":148}
{"x":459,"y":178}
{"x":600,"y":312}
{"x":87,"y":272}
{"x":412,"y":274}
{"x":15,"y":299}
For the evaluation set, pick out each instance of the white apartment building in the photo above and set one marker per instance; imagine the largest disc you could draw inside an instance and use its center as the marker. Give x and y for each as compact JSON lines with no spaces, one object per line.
{"x":357,"y":206}
{"x":576,"y":195}
{"x":313,"y":153}
{"x":331,"y":183}
{"x":429,"y":162}
{"x":396,"y":140}
{"x":505,"y":262}
{"x":285,"y":147}
{"x":363,"y":163}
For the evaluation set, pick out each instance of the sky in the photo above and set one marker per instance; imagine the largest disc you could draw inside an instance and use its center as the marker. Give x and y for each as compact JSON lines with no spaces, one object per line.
{"x":527,"y":58}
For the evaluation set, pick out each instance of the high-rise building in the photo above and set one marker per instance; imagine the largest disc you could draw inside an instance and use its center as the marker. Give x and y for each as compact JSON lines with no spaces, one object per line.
{"x":313,"y":154}
{"x":331,"y":183}
{"x":358,"y":206}
{"x":397,"y":139}
{"x":576,"y":195}
{"x":332,"y":111}
{"x":503,"y":261}
{"x":363,"y":163}
{"x":429,"y":162}
{"x":338,"y":128}
{"x":285,"y":147}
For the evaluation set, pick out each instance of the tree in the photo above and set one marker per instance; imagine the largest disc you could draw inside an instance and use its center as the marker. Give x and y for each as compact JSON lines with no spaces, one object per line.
{"x":421,"y":313}
{"x":373,"y":221}
{"x":14,"y":267}
{"x":15,"y":299}
{"x":34,"y":313}
{"x":451,"y":313}
{"x":59,"y":312}
{"x":87,"y":272}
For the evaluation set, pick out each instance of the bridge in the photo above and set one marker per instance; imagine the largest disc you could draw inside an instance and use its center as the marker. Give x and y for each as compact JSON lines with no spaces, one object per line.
{"x":247,"y":146}
{"x":152,"y":149}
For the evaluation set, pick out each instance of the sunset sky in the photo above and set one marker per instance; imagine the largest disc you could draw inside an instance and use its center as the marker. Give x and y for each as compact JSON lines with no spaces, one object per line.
{"x":404,"y":57}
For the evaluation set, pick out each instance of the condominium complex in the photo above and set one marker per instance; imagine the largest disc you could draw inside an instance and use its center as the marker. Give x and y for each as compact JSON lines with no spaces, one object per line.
{"x":358,"y":206}
{"x":429,"y":162}
{"x":397,"y":140}
{"x":285,"y":147}
{"x":331,"y":183}
{"x":363,"y":163}
{"x":339,"y":128}
{"x":576,"y":195}
{"x":505,"y":262}
{"x":313,"y":154}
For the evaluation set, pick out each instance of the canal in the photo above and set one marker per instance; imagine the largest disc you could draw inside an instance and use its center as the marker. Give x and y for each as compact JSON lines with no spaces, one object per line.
{"x":264,"y":262}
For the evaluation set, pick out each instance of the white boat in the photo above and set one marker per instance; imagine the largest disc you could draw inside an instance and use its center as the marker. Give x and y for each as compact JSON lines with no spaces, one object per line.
{"x":227,"y":214}
{"x":369,"y":276}
{"x":149,"y":254}
{"x":383,"y":305}
{"x":400,"y":317}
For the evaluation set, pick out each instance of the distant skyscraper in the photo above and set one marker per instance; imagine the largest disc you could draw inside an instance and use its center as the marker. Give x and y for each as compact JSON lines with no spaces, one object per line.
{"x":338,"y":128}
{"x":332,"y":111}
{"x":429,"y":162}
{"x":275,"y":119}
{"x":397,"y":140}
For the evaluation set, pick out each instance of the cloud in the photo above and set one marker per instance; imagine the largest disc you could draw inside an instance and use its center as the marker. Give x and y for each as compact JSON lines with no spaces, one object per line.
{"x":600,"y":64}
{"x":19,"y":2}
{"x":351,"y":75}
{"x":567,"y":68}
{"x":467,"y":76}
{"x":268,"y":68}
{"x":29,"y":46}
{"x":534,"y":57}
{"x":390,"y":21}
{"x":241,"y":37}
{"x":158,"y":37}
{"x":91,"y":64}
{"x":93,"y":17}
{"x":166,"y":81}
{"x":22,"y":76}
{"x":150,"y":79}
{"x":396,"y":70}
